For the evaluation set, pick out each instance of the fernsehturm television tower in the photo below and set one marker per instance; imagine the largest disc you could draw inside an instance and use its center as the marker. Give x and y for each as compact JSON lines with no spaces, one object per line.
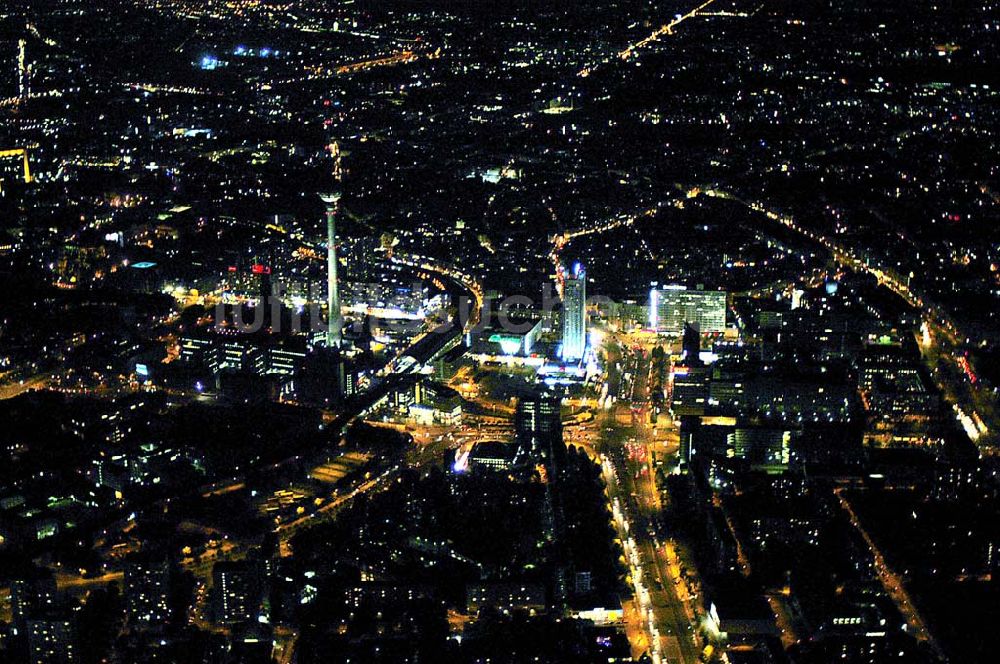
{"x":332,"y":200}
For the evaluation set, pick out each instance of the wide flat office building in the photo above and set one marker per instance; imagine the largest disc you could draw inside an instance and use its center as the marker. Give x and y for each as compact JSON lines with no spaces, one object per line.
{"x":671,"y":307}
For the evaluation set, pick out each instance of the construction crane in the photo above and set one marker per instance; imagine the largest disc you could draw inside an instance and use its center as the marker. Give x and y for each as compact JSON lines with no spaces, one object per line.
{"x":23,"y":154}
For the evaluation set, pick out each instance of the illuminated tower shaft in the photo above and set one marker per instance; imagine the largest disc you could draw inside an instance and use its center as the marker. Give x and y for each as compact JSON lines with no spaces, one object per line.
{"x":332,"y":200}
{"x":333,"y":335}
